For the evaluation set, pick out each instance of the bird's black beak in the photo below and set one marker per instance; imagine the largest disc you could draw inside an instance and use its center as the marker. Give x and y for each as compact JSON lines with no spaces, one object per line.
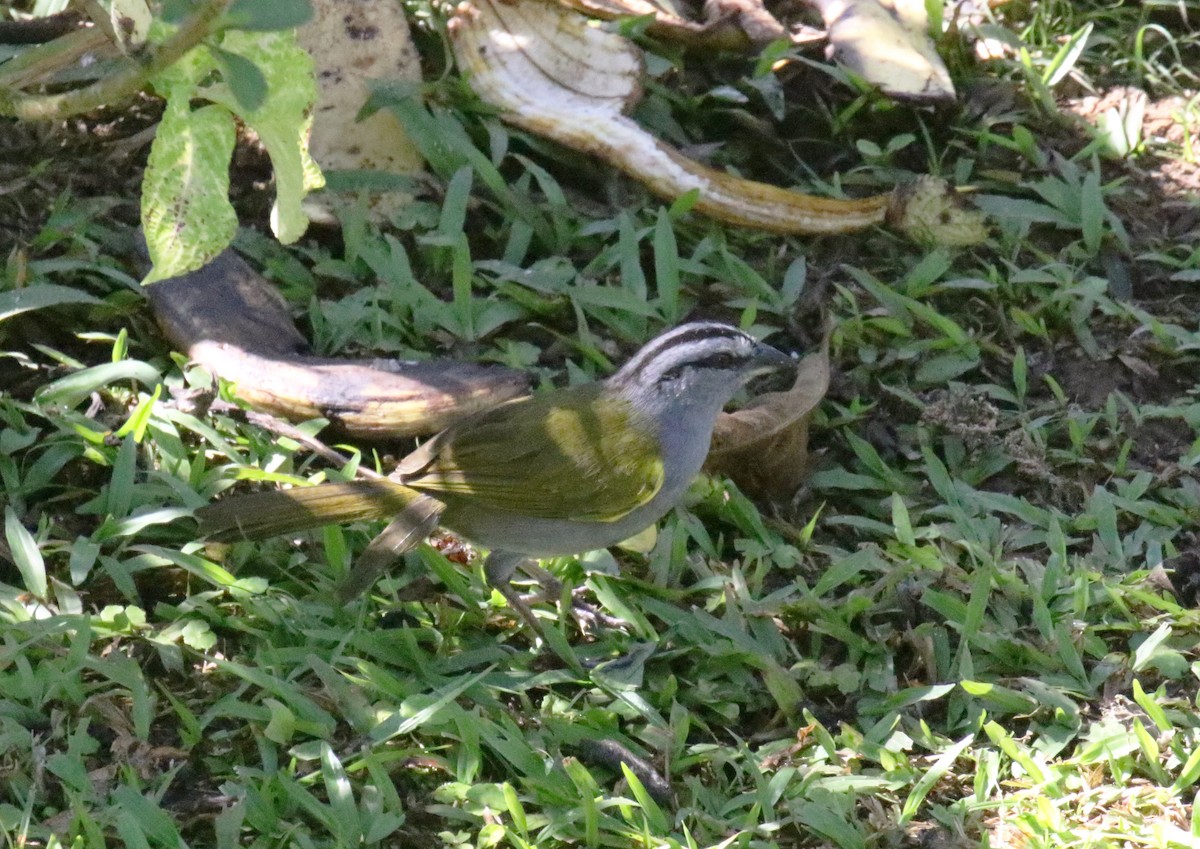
{"x":768,"y":359}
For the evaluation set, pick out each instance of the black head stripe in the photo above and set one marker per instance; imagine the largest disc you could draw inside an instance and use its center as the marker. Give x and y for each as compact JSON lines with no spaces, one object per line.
{"x":683,"y":335}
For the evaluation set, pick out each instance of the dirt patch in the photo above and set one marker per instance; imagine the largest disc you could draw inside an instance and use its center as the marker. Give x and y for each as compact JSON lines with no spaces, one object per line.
{"x":1171,"y":123}
{"x":1163,"y":175}
{"x":1136,"y":367}
{"x":1184,"y":571}
{"x":1158,"y":444}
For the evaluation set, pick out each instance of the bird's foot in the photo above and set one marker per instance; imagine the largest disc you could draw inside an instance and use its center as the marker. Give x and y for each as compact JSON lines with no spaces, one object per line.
{"x":588,"y":617}
{"x":499,"y":568}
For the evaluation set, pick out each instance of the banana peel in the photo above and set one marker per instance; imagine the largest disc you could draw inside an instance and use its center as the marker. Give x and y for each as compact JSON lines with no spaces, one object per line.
{"x":351,"y":45}
{"x":235,"y":324}
{"x":553,"y":72}
{"x":886,"y":42}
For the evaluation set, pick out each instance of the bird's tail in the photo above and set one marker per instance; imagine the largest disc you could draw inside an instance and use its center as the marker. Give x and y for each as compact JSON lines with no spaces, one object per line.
{"x":285,"y":511}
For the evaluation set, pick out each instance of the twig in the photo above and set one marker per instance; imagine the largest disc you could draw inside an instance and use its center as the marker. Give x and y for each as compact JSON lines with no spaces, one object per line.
{"x":39,"y":30}
{"x":281,"y":428}
{"x":202,"y":403}
{"x":122,"y":84}
{"x":39,"y":64}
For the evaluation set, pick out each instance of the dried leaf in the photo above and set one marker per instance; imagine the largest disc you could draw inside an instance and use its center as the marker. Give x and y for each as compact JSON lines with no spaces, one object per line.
{"x":749,"y":16}
{"x":763,"y":447}
{"x":718,"y":31}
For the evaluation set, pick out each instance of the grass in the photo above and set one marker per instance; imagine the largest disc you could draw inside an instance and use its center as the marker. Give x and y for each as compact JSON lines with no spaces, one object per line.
{"x":957,"y":634}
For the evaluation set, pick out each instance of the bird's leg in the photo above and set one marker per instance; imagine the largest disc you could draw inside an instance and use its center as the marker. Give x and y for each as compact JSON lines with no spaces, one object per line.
{"x":588,"y":616}
{"x":498,"y":568}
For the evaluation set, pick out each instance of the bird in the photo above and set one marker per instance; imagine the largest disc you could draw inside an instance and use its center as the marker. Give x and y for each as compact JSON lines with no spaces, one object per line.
{"x":556,"y":473}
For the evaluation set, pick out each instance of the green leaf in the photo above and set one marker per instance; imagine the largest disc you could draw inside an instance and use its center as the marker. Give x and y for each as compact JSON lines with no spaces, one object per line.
{"x":1020,"y":373}
{"x":207,"y":571}
{"x":186,"y":215}
{"x":277,"y":14}
{"x":911,"y":696}
{"x":72,"y":770}
{"x":74,"y":388}
{"x":17,"y":301}
{"x":282,"y":724}
{"x":147,"y":818}
{"x":932,"y":776}
{"x":228,"y":826}
{"x":127,"y":674}
{"x":845,"y":568}
{"x":609,"y":298}
{"x":1189,"y":774}
{"x":1091,"y":210}
{"x":245,"y":79}
{"x":25,"y":554}
{"x":633,"y":279}
{"x":1153,"y":709}
{"x":1005,"y":742}
{"x":683,"y":204}
{"x":1151,"y":752}
{"x":666,"y":267}
{"x":341,"y":798}
{"x":1024,"y":211}
{"x":900,"y":521}
{"x":588,"y":790}
{"x":1004,"y":698}
{"x":139,"y":419}
{"x":454,"y":206}
{"x":625,"y":672}
{"x":399,"y":723}
{"x":282,"y":122}
{"x":82,"y":559}
{"x":831,"y":824}
{"x":119,"y":498}
{"x":1145,"y":653}
{"x":782,"y":686}
{"x":654,"y":814}
{"x":461,"y":277}
{"x":940,"y":370}
{"x":1066,"y":57}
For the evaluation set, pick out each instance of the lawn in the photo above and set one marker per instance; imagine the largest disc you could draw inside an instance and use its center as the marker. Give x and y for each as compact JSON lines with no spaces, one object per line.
{"x":974,"y":624}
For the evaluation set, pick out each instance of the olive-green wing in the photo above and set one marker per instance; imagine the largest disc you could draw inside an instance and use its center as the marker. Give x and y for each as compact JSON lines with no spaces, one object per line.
{"x":572,"y":454}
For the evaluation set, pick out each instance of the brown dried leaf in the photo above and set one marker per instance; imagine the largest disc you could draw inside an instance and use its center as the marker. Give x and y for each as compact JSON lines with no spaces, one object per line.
{"x":749,"y":16}
{"x":719,"y":32}
{"x":763,"y":447}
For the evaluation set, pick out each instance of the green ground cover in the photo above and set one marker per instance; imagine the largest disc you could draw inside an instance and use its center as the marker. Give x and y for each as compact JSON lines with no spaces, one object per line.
{"x":959,"y":633}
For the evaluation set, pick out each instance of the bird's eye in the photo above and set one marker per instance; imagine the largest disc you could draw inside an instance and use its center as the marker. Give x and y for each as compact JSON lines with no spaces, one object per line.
{"x":718,"y":361}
